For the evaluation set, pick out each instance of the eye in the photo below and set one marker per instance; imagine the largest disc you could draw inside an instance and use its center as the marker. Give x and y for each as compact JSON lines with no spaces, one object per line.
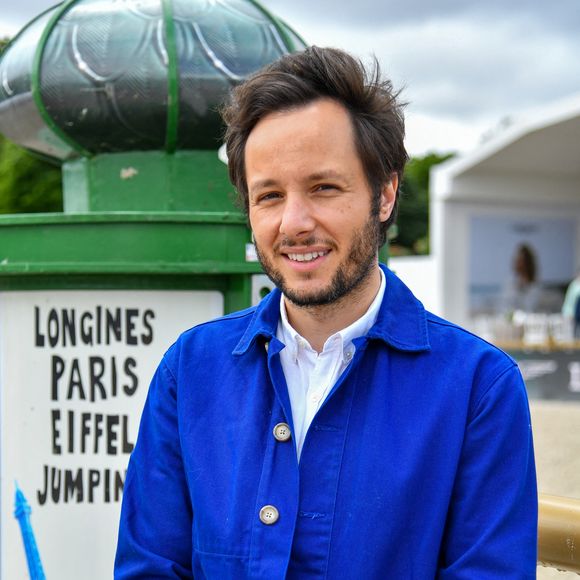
{"x":268,"y":196}
{"x":326,"y":187}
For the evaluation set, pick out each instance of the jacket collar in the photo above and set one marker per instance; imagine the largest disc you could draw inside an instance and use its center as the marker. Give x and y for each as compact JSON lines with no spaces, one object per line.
{"x":401,"y":322}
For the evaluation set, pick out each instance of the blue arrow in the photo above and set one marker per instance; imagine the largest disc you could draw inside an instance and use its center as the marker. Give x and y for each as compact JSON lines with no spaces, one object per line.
{"x":22,"y":513}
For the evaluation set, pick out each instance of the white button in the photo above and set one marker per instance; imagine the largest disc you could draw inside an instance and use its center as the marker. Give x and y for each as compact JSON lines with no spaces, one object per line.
{"x":282,"y":432}
{"x":269,"y":515}
{"x":266,"y":346}
{"x":348,"y":356}
{"x":315,"y":398}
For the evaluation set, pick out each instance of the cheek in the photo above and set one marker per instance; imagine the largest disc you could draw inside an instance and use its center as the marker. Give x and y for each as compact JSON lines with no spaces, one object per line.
{"x":350,"y":214}
{"x":262,"y":226}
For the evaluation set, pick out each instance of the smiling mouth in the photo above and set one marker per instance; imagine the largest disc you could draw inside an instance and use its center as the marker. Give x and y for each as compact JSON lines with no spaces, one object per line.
{"x":307,"y":257}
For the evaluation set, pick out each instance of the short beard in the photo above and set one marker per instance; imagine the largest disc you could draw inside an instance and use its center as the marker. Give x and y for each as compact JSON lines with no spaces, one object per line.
{"x":349,"y":276}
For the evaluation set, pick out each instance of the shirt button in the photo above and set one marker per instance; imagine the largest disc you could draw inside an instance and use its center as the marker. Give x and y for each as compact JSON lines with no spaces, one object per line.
{"x":348,"y":356}
{"x":315,"y":398}
{"x":269,"y":515}
{"x":266,"y":346}
{"x":282,"y":432}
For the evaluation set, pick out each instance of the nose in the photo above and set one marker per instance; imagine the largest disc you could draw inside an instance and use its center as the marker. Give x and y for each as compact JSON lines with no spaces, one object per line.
{"x":297,"y":217}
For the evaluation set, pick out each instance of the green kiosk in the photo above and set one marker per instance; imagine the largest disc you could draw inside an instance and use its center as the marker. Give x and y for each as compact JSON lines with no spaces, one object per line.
{"x":124,"y":94}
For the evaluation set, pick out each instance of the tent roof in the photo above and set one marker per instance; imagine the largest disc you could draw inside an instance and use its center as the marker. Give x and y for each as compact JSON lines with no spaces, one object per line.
{"x":546,"y":145}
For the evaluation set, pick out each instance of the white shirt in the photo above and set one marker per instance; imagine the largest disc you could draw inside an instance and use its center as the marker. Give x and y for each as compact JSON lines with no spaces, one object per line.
{"x":310,"y":376}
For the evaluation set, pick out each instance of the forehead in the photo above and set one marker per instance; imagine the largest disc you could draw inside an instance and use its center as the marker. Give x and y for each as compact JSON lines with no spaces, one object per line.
{"x":319,"y":132}
{"x":320,"y":114}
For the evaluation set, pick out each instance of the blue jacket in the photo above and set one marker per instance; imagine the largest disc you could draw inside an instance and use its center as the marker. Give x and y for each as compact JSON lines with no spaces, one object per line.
{"x":419,"y":464}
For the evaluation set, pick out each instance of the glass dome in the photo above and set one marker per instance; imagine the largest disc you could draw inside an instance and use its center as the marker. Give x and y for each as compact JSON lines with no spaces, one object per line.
{"x":108,"y":76}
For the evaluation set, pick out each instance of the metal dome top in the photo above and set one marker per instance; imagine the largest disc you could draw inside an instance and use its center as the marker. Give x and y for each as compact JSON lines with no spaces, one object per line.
{"x":108,"y":76}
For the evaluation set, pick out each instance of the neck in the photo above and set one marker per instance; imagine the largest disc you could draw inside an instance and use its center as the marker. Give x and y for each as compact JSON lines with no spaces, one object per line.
{"x":317,"y":323}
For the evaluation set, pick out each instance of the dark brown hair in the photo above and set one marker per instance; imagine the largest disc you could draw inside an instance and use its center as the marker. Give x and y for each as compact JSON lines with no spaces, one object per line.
{"x":525,"y":263}
{"x":298,"y":79}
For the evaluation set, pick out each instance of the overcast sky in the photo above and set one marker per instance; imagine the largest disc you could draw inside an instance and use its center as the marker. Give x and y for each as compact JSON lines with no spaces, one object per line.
{"x":464,"y":65}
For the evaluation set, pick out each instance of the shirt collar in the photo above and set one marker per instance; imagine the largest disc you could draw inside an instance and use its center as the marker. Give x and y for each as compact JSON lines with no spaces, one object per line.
{"x":401,"y":321}
{"x":290,"y":337}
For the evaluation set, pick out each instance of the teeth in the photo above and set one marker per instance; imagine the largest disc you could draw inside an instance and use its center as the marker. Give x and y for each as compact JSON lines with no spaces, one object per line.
{"x":309,"y":256}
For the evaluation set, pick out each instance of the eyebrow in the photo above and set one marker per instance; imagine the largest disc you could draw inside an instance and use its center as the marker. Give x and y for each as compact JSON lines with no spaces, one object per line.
{"x":261,"y":184}
{"x":326,"y":174}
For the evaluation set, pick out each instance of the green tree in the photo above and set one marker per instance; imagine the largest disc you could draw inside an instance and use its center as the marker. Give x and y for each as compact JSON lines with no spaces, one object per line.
{"x":28,"y":184}
{"x":413,"y":220}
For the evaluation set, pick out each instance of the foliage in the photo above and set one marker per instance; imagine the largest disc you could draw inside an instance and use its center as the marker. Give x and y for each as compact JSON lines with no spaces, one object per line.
{"x":27,"y":184}
{"x":413,"y":220}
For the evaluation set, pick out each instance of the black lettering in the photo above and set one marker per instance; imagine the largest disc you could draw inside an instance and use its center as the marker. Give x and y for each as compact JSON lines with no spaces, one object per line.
{"x":147,"y":337}
{"x":85,"y":430}
{"x":69,"y":327}
{"x":130,"y":315}
{"x":71,"y":430}
{"x":99,"y":324}
{"x":127,"y":445}
{"x":56,"y":374}
{"x":97,"y":370}
{"x":55,"y":484}
{"x":56,"y":449}
{"x":113,"y":324}
{"x":129,"y":389}
{"x":72,"y":484}
{"x":69,"y":485}
{"x":98,"y":431}
{"x":107,"y":485}
{"x":75,"y":381}
{"x":119,"y":484}
{"x":38,"y":337}
{"x":53,"y":327}
{"x":87,"y":328}
{"x":113,"y":377}
{"x":94,"y":480}
{"x":112,"y":422}
{"x":42,"y":495}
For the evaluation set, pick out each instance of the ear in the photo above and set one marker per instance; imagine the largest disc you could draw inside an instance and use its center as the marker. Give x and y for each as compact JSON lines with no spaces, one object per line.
{"x":388,"y":197}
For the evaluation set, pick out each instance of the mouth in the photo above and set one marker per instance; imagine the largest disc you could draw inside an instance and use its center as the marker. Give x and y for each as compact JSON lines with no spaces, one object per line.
{"x":306,"y":256}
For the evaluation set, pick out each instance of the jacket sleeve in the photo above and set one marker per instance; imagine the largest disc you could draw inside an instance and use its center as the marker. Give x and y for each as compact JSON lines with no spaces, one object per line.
{"x":156,"y":514}
{"x":491,"y":529}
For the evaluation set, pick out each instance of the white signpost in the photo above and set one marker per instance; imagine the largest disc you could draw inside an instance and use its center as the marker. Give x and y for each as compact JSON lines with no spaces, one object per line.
{"x":74,"y":372}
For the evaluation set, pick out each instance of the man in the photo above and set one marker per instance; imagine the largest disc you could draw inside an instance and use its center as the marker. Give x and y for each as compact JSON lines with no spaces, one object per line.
{"x":337,"y":430}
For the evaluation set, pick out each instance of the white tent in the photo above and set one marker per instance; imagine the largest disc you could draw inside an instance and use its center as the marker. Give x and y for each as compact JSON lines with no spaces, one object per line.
{"x":521,"y":187}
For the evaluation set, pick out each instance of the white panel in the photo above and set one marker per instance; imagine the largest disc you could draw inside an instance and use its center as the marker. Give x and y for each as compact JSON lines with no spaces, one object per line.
{"x":68,"y":380}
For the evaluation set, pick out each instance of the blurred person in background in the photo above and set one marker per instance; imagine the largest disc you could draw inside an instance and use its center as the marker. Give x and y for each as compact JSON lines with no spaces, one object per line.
{"x":571,"y":306}
{"x":523,"y":292}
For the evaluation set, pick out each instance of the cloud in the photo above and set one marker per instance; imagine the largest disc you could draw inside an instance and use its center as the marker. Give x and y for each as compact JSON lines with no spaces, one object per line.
{"x":463,"y":69}
{"x":428,"y":134}
{"x":12,"y":19}
{"x":563,"y":17}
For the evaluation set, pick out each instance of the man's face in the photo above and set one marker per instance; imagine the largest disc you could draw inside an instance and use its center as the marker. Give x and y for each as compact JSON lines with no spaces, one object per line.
{"x":310,"y":203}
